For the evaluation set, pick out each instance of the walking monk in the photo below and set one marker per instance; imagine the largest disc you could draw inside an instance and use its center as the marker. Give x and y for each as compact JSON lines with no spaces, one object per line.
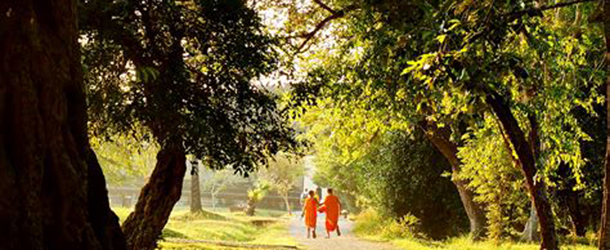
{"x":310,"y":211}
{"x":333,"y":210}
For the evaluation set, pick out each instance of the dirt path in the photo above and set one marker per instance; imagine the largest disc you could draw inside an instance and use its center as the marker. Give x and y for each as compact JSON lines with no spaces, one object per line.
{"x":346,"y":241}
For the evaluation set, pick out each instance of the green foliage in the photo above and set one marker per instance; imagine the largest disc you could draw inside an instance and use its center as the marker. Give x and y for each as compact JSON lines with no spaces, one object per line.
{"x":496,"y":179}
{"x":370,"y":222}
{"x":125,"y":160}
{"x":214,"y":227}
{"x":408,"y":180}
{"x":186,"y":71}
{"x":370,"y":225}
{"x":384,"y":169}
{"x":438,"y":62}
{"x":215,"y":182}
{"x":259,"y":191}
{"x":282,"y":173}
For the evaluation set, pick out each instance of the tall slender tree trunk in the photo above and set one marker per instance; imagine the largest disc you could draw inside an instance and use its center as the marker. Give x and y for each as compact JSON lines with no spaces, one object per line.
{"x":604,"y":234}
{"x":287,"y":202}
{"x":157,"y":199}
{"x":214,"y":201}
{"x":530,"y":232}
{"x":527,"y":162}
{"x":579,"y":222}
{"x":52,"y":191}
{"x":195,"y":190}
{"x":474,"y":211}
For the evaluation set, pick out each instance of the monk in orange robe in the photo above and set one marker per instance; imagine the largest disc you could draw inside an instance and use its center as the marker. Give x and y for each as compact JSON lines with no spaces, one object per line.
{"x":310,"y":212}
{"x":333,"y":210}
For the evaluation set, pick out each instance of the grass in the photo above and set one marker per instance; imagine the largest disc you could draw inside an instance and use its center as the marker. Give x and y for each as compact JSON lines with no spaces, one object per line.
{"x":267,"y":228}
{"x":371,"y":226}
{"x":465,"y":243}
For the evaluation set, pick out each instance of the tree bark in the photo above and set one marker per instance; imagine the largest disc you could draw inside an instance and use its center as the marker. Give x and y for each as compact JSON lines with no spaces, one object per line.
{"x":195,"y":190}
{"x":579,"y":222}
{"x":157,"y":199}
{"x":287,"y":204}
{"x":474,"y":211}
{"x":527,"y":162}
{"x":251,"y":208}
{"x":604,"y":234}
{"x":104,"y":221}
{"x":530,"y":232}
{"x":52,"y":191}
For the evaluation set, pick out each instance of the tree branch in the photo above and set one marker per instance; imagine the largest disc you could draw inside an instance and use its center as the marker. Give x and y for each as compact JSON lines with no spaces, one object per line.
{"x":326,"y":7}
{"x":336,"y":14}
{"x":532,"y":11}
{"x":516,"y":14}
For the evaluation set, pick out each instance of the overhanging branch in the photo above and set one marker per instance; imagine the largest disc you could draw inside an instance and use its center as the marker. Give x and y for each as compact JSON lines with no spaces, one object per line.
{"x":335,"y":14}
{"x":517,"y":14}
{"x":326,"y":7}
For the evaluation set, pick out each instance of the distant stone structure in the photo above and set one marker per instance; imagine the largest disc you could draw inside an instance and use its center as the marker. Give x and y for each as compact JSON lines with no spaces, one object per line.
{"x":233,"y":197}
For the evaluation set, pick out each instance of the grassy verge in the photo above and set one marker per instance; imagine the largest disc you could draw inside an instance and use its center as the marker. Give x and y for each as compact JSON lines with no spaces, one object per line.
{"x":265,"y":229}
{"x":372,"y":227}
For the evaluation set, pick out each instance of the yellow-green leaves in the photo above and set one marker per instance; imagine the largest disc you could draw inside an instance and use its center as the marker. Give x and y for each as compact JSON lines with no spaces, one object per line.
{"x":441,"y":38}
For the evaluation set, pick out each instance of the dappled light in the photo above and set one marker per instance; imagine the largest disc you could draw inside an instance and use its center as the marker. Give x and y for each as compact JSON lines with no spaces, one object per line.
{"x":305,"y":124}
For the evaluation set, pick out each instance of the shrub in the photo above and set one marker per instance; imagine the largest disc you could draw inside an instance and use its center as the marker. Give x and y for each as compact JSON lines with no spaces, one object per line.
{"x":405,"y":227}
{"x":370,"y":222}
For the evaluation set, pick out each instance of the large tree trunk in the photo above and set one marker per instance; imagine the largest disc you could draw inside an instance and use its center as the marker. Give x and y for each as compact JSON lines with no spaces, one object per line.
{"x":157,"y":199}
{"x":195,"y":190}
{"x":528,"y":166}
{"x":604,"y":234}
{"x":474,"y":211}
{"x":105,"y":222}
{"x":52,"y":191}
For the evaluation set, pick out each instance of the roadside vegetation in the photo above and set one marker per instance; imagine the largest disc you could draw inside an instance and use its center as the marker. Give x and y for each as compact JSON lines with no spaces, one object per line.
{"x":223,"y":230}
{"x":403,"y":233}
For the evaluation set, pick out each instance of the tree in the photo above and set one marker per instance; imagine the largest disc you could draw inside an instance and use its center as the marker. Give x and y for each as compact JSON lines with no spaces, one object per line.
{"x":256,"y":194}
{"x":495,"y":95}
{"x":218,"y":181}
{"x":479,"y":60}
{"x":480,"y":57}
{"x":604,"y":234}
{"x":496,"y":180}
{"x":392,"y":171}
{"x":195,"y":189}
{"x":192,"y":67}
{"x":282,"y":175}
{"x":372,"y":70}
{"x":52,"y":190}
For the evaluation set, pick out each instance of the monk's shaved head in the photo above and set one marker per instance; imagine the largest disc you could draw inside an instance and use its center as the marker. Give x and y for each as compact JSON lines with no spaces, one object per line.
{"x":312,"y":193}
{"x":330,"y":191}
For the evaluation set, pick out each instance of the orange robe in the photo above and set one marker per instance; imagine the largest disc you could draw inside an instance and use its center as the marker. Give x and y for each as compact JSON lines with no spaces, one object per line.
{"x":311,"y":212}
{"x":333,"y":210}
